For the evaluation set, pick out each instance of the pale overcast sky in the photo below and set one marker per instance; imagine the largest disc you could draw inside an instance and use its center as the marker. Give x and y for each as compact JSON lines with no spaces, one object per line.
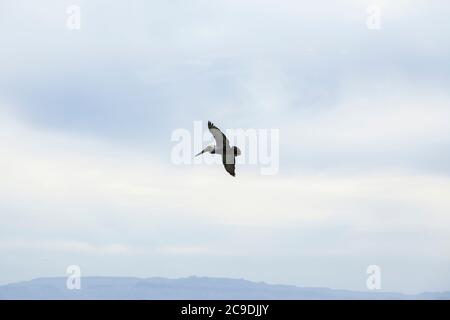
{"x":86,"y":119}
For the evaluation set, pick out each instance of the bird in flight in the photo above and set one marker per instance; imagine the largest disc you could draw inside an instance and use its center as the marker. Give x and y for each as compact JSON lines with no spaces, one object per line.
{"x":222,"y":148}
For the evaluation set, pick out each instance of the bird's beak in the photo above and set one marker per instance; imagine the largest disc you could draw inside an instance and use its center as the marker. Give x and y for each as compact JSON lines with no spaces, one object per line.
{"x":200,"y":153}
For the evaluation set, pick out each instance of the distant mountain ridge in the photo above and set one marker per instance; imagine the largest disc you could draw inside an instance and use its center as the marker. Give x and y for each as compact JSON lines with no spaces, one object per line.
{"x":195,"y":288}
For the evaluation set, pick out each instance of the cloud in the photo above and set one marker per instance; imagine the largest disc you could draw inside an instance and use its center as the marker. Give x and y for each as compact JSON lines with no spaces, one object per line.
{"x":75,"y":195}
{"x":86,"y":119}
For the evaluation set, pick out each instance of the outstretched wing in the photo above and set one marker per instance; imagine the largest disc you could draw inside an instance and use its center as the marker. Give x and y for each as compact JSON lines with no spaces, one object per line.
{"x":229,"y":162}
{"x":221,"y":140}
{"x":230,"y":168}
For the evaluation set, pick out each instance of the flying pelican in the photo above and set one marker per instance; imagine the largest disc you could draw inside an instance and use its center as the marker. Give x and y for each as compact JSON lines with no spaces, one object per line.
{"x":223,"y":148}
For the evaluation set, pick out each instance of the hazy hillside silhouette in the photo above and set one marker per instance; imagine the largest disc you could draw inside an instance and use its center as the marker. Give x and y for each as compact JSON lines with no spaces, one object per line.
{"x":184,"y":288}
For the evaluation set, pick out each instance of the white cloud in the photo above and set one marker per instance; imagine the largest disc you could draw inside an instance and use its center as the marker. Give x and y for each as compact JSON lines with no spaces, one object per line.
{"x":383,"y":122}
{"x":64,"y":182}
{"x":280,"y":64}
